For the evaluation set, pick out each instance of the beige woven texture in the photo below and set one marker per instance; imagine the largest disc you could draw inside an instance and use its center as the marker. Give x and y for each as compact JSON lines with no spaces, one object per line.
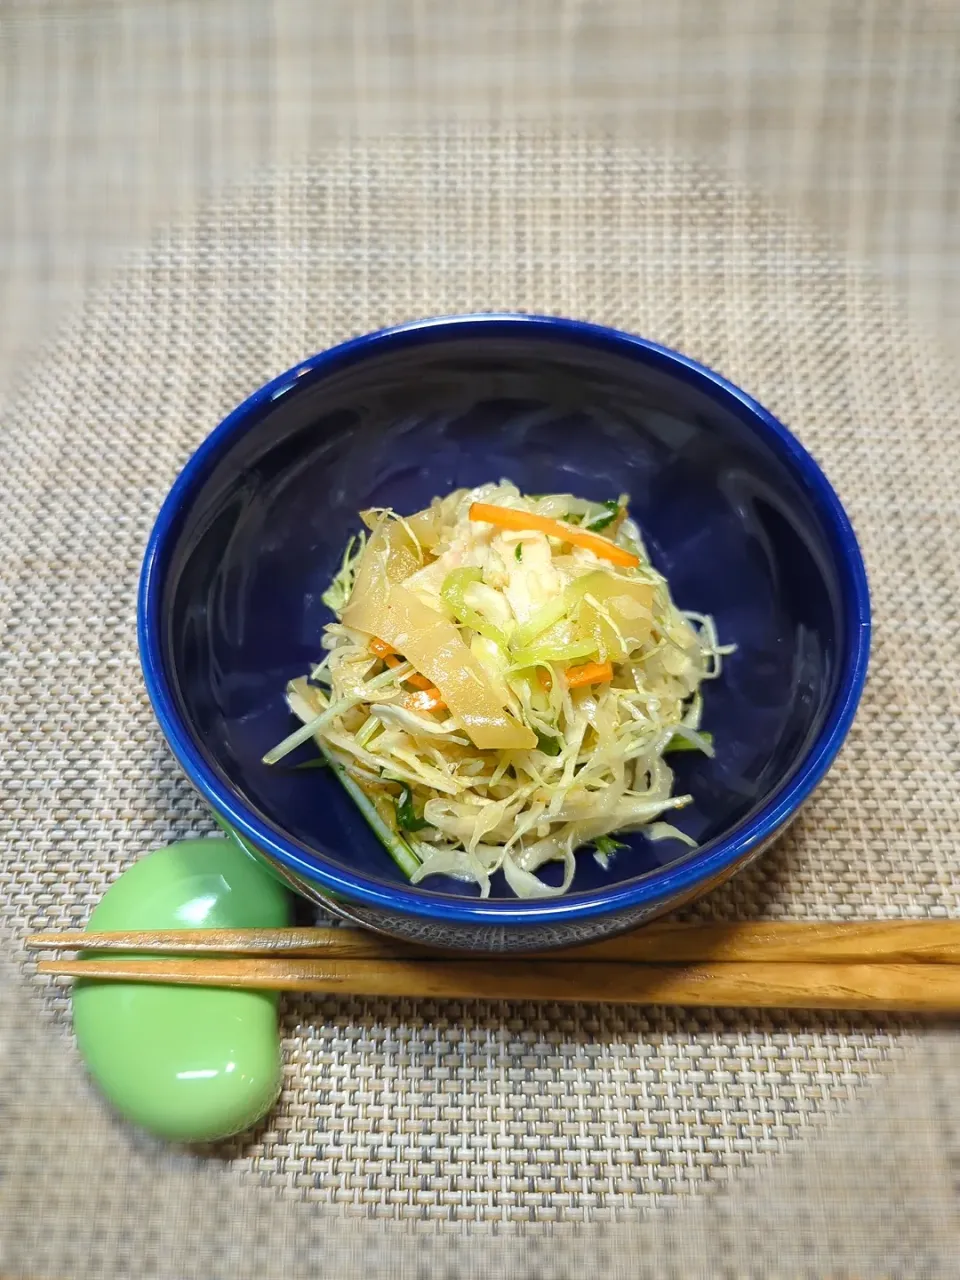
{"x":432,"y":1139}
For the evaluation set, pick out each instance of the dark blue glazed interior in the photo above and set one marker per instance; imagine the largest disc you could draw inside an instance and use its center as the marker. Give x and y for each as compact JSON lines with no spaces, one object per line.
{"x":739,"y":527}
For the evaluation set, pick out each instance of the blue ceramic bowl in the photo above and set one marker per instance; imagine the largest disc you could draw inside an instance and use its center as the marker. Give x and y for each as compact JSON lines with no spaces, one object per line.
{"x":735,"y":513}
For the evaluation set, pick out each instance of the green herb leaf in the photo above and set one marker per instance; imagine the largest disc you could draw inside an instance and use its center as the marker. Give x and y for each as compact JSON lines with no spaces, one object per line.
{"x":518,"y":551}
{"x":601,"y":522}
{"x":680,"y":743}
{"x":607,"y":845}
{"x":407,"y":819}
{"x":548,"y":745}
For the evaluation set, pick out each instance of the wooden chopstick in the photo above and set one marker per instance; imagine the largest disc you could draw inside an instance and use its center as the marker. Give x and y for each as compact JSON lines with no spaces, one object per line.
{"x":901,"y":988}
{"x":874,"y":941}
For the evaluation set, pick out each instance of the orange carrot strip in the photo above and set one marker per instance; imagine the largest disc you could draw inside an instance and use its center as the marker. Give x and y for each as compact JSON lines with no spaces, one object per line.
{"x":379,"y":647}
{"x":415,"y":678}
{"x":589,"y":673}
{"x":427,"y":699}
{"x":509,"y":518}
{"x":545,"y":678}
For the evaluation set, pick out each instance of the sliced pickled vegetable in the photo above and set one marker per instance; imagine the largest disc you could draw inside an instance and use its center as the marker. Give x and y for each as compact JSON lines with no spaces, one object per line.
{"x":433,"y":645}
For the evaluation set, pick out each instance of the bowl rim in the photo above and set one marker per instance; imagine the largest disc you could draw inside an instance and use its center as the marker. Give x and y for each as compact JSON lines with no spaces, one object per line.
{"x":716,"y":859}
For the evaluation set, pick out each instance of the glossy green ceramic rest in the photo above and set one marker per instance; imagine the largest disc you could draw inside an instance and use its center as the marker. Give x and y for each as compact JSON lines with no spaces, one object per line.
{"x":188,"y":1063}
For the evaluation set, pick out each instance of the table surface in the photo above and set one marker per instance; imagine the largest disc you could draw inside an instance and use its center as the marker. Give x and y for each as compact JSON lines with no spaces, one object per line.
{"x":196,"y":197}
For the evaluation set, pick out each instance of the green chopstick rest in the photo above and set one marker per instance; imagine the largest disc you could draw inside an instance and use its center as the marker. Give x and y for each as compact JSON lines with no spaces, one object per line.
{"x":190,"y":1064}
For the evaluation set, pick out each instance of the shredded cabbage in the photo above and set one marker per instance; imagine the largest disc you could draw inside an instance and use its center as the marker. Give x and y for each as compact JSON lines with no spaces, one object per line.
{"x":495,"y":697}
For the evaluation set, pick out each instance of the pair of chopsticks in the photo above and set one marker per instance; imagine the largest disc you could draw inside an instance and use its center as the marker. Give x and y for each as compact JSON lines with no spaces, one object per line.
{"x":883,"y":966}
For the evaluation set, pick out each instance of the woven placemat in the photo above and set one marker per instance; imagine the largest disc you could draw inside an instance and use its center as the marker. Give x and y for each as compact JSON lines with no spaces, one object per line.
{"x":499,"y":1117}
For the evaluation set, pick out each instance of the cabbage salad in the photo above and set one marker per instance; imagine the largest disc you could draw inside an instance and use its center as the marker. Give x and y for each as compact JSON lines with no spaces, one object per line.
{"x":505,"y":678}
